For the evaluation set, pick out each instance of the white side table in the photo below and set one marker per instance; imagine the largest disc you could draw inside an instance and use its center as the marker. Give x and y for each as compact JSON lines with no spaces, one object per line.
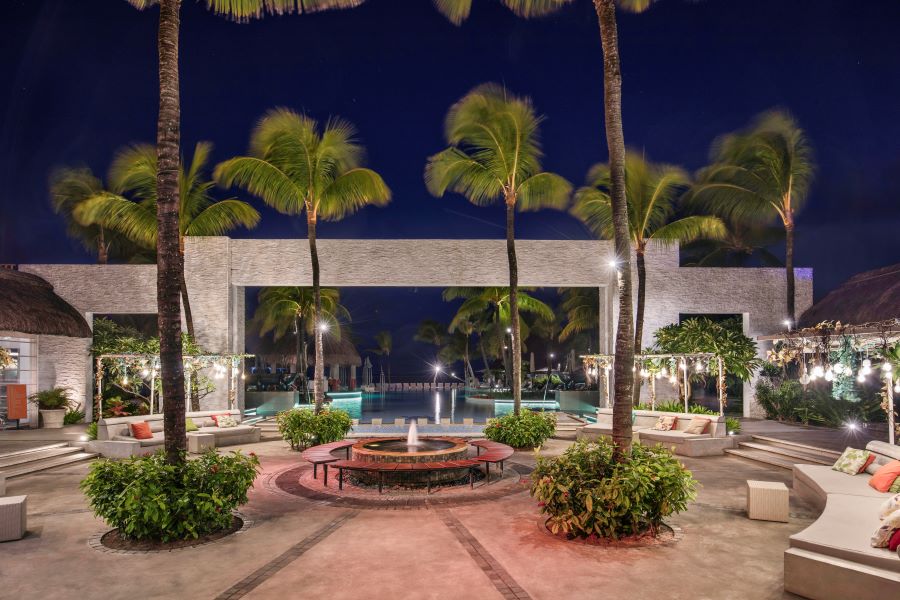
{"x":768,"y":501}
{"x":13,"y":517}
{"x":198,"y":443}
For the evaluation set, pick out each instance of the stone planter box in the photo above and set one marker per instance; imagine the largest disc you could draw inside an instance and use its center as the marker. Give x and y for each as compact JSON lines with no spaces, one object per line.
{"x":53,"y":419}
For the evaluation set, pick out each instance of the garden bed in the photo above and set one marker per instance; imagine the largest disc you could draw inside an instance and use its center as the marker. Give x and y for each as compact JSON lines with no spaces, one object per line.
{"x":115,"y":541}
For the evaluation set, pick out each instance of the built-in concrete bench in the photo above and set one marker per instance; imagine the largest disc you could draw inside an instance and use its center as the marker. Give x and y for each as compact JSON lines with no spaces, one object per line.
{"x":714,"y":441}
{"x":114,"y":439}
{"x":833,"y":558}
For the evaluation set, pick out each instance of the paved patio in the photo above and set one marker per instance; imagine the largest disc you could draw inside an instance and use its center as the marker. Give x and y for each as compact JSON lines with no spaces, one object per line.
{"x":300,"y":548}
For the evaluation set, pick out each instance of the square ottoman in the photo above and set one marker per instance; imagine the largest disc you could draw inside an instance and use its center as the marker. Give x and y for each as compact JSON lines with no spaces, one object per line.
{"x":198,"y":443}
{"x":768,"y":501}
{"x":12,"y":518}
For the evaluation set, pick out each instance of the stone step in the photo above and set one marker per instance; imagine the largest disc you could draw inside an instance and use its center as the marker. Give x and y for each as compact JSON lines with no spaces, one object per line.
{"x":798,"y":446}
{"x":801,"y":456}
{"x":48,"y":463}
{"x":760,"y":456}
{"x":48,"y":452}
{"x":31,"y":450}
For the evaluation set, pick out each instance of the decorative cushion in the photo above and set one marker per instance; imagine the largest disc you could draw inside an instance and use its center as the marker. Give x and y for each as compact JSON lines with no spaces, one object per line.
{"x":883,"y":535}
{"x":889,"y":506}
{"x":895,"y":487}
{"x":873,"y":466}
{"x":894,"y":542}
{"x":666,"y":423}
{"x":852,"y":461}
{"x":697,"y":425}
{"x":225,"y":421}
{"x":156,"y":426}
{"x":189,"y":425}
{"x":885,"y":477}
{"x":216,"y":418}
{"x":141,"y":431}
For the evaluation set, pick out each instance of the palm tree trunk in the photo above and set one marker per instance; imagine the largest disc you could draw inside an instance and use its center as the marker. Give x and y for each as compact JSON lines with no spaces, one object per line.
{"x":488,"y":375}
{"x":193,"y":382}
{"x":298,"y":348}
{"x":639,"y":318}
{"x":319,"y":380}
{"x":102,"y":249}
{"x":615,"y":141}
{"x":169,"y":262}
{"x":515,"y":342}
{"x":789,"y":269}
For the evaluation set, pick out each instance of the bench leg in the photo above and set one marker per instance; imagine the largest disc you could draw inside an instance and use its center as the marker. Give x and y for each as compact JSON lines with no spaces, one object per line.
{"x":501,"y":467}
{"x":348,"y":452}
{"x":315,"y":470}
{"x":325,"y":466}
{"x":340,"y":479}
{"x":487,"y":468}
{"x":380,"y":481}
{"x":428,"y":489}
{"x":471,"y":478}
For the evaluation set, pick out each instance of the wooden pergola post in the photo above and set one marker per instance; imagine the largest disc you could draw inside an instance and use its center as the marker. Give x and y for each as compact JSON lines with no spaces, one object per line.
{"x":720,"y":385}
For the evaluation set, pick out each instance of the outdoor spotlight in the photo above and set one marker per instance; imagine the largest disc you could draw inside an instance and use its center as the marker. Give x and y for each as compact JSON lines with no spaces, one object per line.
{"x":509,"y":330}
{"x":787,"y":323}
{"x":437,"y":368}
{"x":323,"y":326}
{"x":552,"y":355}
{"x":613,"y":263}
{"x":851,"y":426}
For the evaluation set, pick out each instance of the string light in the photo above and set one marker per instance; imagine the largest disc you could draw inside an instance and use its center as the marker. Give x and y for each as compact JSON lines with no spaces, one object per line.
{"x":886,"y":367}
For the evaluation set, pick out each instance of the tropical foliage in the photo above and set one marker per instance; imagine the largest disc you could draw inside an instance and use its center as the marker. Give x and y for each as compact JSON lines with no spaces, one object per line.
{"x":6,"y":359}
{"x":147,"y":499}
{"x":494,"y":155}
{"x":587,"y":493}
{"x":725,"y":339}
{"x":384,"y":345}
{"x":298,"y":166}
{"x":57,"y":398}
{"x":789,"y":401}
{"x":528,"y":429}
{"x":302,"y":428}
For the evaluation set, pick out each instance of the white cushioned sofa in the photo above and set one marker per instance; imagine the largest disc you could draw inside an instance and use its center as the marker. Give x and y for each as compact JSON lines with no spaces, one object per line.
{"x":833,"y":558}
{"x":114,"y":439}
{"x":713,"y":441}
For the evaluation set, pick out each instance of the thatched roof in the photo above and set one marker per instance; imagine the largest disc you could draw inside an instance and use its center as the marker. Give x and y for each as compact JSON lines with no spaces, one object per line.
{"x":284,"y":350}
{"x":29,"y":305}
{"x":864,"y":298}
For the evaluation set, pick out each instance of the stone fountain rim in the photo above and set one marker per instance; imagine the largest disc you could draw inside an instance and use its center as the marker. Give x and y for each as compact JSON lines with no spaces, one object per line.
{"x":459,"y":444}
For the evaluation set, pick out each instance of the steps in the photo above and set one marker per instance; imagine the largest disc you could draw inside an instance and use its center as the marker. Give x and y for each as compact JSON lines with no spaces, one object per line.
{"x":782,"y":453}
{"x":24,"y":462}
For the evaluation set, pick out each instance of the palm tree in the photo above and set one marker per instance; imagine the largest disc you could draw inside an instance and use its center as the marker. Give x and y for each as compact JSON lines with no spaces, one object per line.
{"x":298,"y":167}
{"x":431,"y":332}
{"x":758,"y":175}
{"x":384,"y":343}
{"x":495,"y":154}
{"x":130,"y":206}
{"x":741,"y":243}
{"x":291,"y":308}
{"x":652,"y":191}
{"x":582,"y":308}
{"x":169,"y":262}
{"x":457,"y":11}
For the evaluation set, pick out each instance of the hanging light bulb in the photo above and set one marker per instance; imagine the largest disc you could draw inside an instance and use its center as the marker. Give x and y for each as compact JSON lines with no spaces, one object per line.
{"x":861,"y":377}
{"x":829,"y":375}
{"x":818,"y":371}
{"x":699,"y":367}
{"x":673,"y":380}
{"x":663,"y":372}
{"x":897,"y":387}
{"x":866,"y":369}
{"x":886,"y":367}
{"x":838,"y":368}
{"x":145,"y":372}
{"x":804,"y":379}
{"x":659,"y":374}
{"x":645,"y":373}
{"x":867,"y":364}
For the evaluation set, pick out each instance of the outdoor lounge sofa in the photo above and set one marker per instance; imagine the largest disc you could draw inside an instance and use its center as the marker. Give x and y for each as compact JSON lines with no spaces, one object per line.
{"x":114,"y":439}
{"x":714,"y":441}
{"x":832,"y":558}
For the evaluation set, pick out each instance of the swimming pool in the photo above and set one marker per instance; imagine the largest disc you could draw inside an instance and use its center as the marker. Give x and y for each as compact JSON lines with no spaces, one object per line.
{"x":445,"y":404}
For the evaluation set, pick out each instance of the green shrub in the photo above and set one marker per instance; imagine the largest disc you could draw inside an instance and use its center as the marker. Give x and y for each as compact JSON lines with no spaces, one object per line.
{"x":585,"y":493}
{"x":526,"y":430}
{"x":53,"y":399}
{"x":73,"y":417}
{"x":697,"y":409}
{"x":302,"y":428}
{"x":815,"y":405}
{"x":678,"y":407}
{"x":146,"y":498}
{"x":732,"y":425}
{"x":91,"y":431}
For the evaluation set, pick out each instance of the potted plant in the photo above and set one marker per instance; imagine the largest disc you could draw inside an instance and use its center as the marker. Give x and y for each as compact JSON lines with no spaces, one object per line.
{"x":53,"y":404}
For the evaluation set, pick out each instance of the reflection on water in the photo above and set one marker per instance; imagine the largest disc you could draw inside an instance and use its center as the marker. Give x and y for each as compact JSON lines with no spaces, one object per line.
{"x":446,"y":404}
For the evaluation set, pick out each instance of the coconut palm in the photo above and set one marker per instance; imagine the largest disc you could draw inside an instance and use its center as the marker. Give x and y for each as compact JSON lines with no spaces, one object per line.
{"x":582,"y":308}
{"x":299,"y":167}
{"x":169,"y":262}
{"x":652,"y":191}
{"x":758,"y":175}
{"x":741,"y":243}
{"x":495,"y":154}
{"x":291,"y":308}
{"x":130,"y":206}
{"x":384,"y":343}
{"x":457,"y":11}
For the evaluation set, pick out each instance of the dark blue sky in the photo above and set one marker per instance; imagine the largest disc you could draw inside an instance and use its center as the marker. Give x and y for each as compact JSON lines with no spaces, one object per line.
{"x":80,"y":81}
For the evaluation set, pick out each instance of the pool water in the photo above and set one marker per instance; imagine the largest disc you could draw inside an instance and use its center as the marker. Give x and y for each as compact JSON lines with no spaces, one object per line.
{"x":445,"y":404}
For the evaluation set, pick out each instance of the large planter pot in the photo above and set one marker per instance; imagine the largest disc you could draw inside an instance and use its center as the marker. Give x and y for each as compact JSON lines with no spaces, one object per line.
{"x":53,"y":419}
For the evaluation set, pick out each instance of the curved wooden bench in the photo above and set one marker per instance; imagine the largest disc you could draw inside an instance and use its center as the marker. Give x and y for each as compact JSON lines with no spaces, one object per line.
{"x":321,"y":455}
{"x":382,"y":468}
{"x":495,"y":452}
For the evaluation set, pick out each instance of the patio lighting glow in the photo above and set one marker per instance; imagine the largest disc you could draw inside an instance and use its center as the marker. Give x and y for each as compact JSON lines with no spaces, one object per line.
{"x":897,"y":387}
{"x":509,"y":330}
{"x":818,"y":371}
{"x":829,"y":375}
{"x":787,"y":323}
{"x":613,"y":263}
{"x":323,"y":326}
{"x":867,"y":364}
{"x":145,"y":372}
{"x":886,"y":367}
{"x":645,"y":373}
{"x":852,"y":426}
{"x":861,"y":377}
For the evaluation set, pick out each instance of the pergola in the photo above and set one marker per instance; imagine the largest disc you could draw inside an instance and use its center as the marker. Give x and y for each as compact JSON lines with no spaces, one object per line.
{"x":132,"y":366}
{"x":654,"y":366}
{"x":819,"y":342}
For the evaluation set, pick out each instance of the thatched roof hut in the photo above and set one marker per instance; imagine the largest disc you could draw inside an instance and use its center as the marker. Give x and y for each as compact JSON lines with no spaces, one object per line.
{"x":868,"y":297}
{"x":29,"y":305}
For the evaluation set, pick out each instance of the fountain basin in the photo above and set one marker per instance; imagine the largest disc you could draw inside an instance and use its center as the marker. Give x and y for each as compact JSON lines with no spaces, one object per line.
{"x":397,"y":450}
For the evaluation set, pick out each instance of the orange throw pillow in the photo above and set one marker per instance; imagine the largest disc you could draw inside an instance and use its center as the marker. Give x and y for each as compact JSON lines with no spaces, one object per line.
{"x":141,"y":431}
{"x":884,"y":477}
{"x":869,"y":461}
{"x":215,"y":418}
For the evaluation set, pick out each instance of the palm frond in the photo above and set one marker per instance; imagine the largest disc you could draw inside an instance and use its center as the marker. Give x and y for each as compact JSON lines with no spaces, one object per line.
{"x":351,"y":191}
{"x":117,"y":213}
{"x":593,"y":207}
{"x":221,"y":217}
{"x":263,"y":179}
{"x":689,"y":229}
{"x":455,"y":170}
{"x":543,"y":190}
{"x":456,"y":11}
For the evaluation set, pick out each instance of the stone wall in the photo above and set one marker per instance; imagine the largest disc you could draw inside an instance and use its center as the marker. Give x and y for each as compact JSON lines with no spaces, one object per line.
{"x":64,"y":362}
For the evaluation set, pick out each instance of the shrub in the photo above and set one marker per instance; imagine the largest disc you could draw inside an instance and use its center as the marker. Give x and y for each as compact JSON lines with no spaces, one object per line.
{"x":73,"y":416}
{"x":678,"y":407}
{"x":302,"y":428}
{"x":146,"y":498}
{"x":815,"y":405}
{"x":91,"y":431}
{"x":585,"y":493}
{"x":53,"y":399}
{"x":732,"y":425}
{"x":526,"y":430}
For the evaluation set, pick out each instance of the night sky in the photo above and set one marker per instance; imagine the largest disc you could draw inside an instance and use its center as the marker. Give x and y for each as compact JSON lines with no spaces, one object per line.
{"x":80,"y":81}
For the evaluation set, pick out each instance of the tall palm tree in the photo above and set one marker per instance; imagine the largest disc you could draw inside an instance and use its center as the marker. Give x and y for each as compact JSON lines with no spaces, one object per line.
{"x":291,"y":308}
{"x":652,"y":191}
{"x":130,"y":206}
{"x":457,"y":11}
{"x":758,"y":175}
{"x":299,"y":167}
{"x":384,"y":345}
{"x":741,"y":243}
{"x":495,"y":154}
{"x":582,"y":308}
{"x":169,"y":262}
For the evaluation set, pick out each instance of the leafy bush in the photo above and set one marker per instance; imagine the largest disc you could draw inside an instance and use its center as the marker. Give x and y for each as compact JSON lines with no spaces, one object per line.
{"x":585,"y":493}
{"x":732,"y":425}
{"x":146,"y":498}
{"x":73,"y":416}
{"x":53,"y":399}
{"x":302,"y":428}
{"x":526,"y":430}
{"x":91,"y":431}
{"x":790,"y":402}
{"x":678,"y":407}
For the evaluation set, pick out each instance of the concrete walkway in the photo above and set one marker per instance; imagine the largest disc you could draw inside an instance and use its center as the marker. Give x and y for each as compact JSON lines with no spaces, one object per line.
{"x":298,"y":548}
